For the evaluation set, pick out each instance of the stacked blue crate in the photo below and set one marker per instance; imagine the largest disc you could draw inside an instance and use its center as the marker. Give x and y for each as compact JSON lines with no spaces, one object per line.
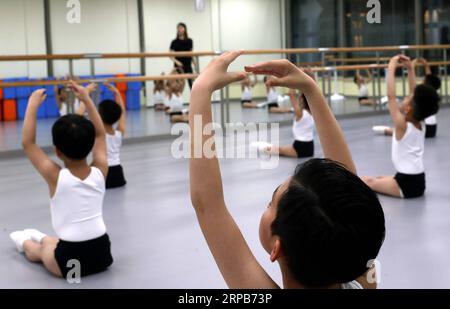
{"x":133,"y":95}
{"x":9,"y":93}
{"x":105,"y":93}
{"x":50,"y":104}
{"x":22,"y":94}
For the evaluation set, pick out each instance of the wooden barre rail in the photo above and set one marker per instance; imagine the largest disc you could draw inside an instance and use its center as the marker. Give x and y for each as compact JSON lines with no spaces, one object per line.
{"x":190,"y":76}
{"x":110,"y":80}
{"x":88,"y":56}
{"x":358,"y":60}
{"x":371,"y":66}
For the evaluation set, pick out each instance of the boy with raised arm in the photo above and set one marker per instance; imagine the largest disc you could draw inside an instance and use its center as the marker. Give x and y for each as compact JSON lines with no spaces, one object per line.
{"x":76,"y":191}
{"x":408,"y":140}
{"x":323,"y":225}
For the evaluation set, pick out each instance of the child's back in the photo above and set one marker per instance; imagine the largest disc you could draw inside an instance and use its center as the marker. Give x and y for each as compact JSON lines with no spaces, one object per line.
{"x":76,"y":207}
{"x":111,"y":113}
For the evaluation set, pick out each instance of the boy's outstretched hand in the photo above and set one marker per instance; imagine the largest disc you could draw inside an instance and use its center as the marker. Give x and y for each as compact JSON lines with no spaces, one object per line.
{"x":38,"y":96}
{"x":80,"y":92}
{"x":216,"y":75}
{"x":283,"y":73}
{"x":111,"y":87}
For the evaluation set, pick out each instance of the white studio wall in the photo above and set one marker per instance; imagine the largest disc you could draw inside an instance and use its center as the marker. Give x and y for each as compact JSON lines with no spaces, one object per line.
{"x":23,"y":32}
{"x":250,"y":24}
{"x":106,"y":26}
{"x":222,"y":25}
{"x":161,"y":19}
{"x":111,"y":26}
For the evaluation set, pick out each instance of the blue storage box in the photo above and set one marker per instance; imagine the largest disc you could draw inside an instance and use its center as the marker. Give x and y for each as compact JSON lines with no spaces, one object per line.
{"x":133,"y":100}
{"x":41,"y":112}
{"x":21,"y":108}
{"x":134,"y":85}
{"x":9,"y":93}
{"x":23,"y":92}
{"x":50,"y":88}
{"x":51,"y":107}
{"x":108,"y":95}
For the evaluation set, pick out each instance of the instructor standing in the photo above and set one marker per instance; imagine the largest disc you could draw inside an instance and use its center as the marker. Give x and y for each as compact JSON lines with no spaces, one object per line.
{"x":183,"y":43}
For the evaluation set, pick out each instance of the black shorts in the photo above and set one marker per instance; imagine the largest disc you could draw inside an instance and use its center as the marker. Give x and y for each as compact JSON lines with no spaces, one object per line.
{"x":246,"y":101}
{"x":94,"y":256}
{"x":430,"y":131}
{"x":304,"y":149}
{"x":270,"y":105}
{"x":412,"y":186}
{"x":175,"y":114}
{"x":363,"y":99}
{"x":115,"y":178}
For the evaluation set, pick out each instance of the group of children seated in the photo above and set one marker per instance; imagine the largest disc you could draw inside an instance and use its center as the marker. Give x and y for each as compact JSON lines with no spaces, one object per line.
{"x":324,"y":225}
{"x":168,"y":97}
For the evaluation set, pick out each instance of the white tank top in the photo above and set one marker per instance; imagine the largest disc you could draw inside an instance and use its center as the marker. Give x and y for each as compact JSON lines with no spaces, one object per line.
{"x":272,"y":96}
{"x":175,"y":103}
{"x":431,"y":121}
{"x":76,"y":207}
{"x":407,"y":154}
{"x":247,"y":94}
{"x":363,"y":91}
{"x":158,"y":97}
{"x":113,"y":144}
{"x":303,"y":129}
{"x":352,"y":285}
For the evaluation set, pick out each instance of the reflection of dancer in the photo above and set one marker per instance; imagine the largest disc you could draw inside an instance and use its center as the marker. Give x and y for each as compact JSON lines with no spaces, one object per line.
{"x":159,"y":94}
{"x":247,"y":95}
{"x":183,"y":43}
{"x":362,"y":82}
{"x":174,"y":91}
{"x":408,"y":142}
{"x":302,"y":128}
{"x":272,"y":100}
{"x":430,"y":122}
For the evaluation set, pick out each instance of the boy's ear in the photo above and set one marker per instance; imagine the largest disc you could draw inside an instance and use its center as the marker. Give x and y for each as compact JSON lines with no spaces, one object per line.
{"x":277,"y":251}
{"x":58,"y":153}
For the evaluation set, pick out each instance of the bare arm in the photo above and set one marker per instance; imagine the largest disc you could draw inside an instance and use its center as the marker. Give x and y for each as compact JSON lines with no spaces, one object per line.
{"x":99,"y":150}
{"x":369,"y":76}
{"x":82,"y":108}
{"x":411,"y":73}
{"x":425,"y":63}
{"x":57,"y":97}
{"x":234,"y":258}
{"x":286,"y":74}
{"x":43,"y":164}
{"x":396,"y":115}
{"x":298,"y":110}
{"x":123,"y":118}
{"x":177,"y":62}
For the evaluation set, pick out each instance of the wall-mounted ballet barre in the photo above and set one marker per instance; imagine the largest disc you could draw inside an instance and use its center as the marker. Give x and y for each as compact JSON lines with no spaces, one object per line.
{"x":324,"y":52}
{"x":214,"y":53}
{"x":102,"y":80}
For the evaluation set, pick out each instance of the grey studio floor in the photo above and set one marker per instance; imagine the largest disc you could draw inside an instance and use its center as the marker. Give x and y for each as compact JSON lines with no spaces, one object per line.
{"x":156,"y":240}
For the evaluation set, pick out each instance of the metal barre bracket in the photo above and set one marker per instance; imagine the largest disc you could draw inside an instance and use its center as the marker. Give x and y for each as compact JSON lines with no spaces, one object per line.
{"x":93,"y":56}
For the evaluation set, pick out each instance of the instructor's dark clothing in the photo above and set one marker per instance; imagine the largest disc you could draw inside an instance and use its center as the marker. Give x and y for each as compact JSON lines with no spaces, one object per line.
{"x":184,"y":46}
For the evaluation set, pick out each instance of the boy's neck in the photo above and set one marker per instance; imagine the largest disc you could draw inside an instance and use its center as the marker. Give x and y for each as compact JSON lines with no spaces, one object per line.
{"x":290,"y":283}
{"x":109,"y":129}
{"x":416,"y":123}
{"x":75,"y":164}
